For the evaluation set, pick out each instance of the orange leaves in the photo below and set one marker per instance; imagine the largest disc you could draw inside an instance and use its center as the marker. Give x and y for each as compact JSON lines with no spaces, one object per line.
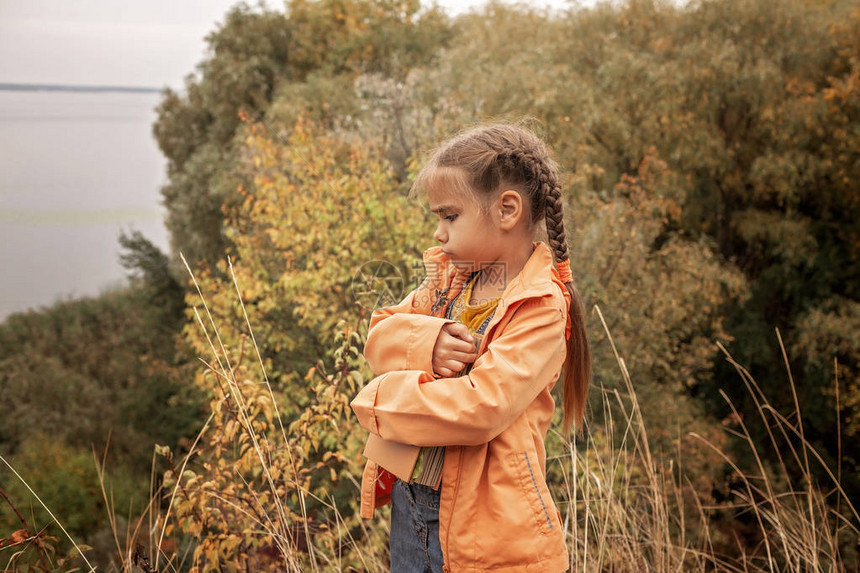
{"x":252,"y":495}
{"x":320,"y":207}
{"x":18,"y":537}
{"x":257,"y":475}
{"x":654,"y":187}
{"x":652,"y":280}
{"x":843,"y":90}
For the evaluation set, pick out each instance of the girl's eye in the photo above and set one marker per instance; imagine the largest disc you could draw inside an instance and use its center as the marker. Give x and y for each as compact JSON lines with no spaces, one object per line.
{"x":450,"y":217}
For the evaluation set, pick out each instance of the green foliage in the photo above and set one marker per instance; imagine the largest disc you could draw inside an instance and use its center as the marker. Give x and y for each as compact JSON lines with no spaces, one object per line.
{"x":83,"y":375}
{"x":252,"y":56}
{"x":194,"y":129}
{"x":653,"y":280}
{"x":829,"y":341}
{"x":649,"y":280}
{"x":90,"y":367}
{"x":319,"y":210}
{"x":710,"y":155}
{"x":149,"y":271}
{"x":67,"y":482}
{"x":264,"y":495}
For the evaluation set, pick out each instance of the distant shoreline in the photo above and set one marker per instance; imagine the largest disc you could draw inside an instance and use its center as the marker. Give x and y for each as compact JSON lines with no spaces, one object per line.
{"x":73,"y":88}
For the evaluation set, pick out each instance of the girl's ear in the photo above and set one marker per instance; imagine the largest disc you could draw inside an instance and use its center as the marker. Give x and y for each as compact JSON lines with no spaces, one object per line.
{"x":510,"y":208}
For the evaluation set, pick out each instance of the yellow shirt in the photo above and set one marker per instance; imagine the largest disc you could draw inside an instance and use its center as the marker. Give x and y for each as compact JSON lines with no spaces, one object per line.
{"x":476,"y":317}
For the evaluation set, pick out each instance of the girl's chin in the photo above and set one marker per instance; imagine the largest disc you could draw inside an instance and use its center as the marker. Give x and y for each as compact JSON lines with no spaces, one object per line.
{"x":455,"y":260}
{"x":462,"y":264}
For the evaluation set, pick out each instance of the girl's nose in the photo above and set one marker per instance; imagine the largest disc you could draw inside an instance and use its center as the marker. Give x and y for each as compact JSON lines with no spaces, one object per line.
{"x":440,"y":235}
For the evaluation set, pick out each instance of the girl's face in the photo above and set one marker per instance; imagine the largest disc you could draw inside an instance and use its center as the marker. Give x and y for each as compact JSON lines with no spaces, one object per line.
{"x":466,"y":234}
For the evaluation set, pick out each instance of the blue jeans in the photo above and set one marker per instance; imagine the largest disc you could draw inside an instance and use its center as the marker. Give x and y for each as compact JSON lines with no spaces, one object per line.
{"x":414,"y":541}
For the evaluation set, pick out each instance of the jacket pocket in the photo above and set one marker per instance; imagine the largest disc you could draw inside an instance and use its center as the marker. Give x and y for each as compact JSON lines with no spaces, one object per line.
{"x":533,"y":488}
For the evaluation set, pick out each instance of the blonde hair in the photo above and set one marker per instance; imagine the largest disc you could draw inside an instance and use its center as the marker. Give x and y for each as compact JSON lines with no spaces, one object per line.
{"x":480,"y":162}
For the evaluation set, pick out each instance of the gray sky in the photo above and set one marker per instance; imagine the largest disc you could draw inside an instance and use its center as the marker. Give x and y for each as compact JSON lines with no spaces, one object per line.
{"x":149,"y":43}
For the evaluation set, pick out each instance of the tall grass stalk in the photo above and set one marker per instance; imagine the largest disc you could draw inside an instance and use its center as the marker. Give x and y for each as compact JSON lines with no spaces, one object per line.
{"x":629,"y":510}
{"x":625,"y":508}
{"x":281,"y":538}
{"x":51,"y":513}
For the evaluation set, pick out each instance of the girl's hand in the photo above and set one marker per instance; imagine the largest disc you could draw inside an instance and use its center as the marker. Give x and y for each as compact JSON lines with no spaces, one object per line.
{"x":455,"y":348}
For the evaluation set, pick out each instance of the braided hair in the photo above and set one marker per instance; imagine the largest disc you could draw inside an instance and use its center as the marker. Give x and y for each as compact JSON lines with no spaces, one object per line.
{"x":481,"y":162}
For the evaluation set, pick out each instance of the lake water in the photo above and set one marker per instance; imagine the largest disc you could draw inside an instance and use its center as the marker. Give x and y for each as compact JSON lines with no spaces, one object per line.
{"x":75,"y":170}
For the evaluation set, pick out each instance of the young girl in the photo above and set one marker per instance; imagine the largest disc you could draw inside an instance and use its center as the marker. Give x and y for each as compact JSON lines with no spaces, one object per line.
{"x":466,"y":364}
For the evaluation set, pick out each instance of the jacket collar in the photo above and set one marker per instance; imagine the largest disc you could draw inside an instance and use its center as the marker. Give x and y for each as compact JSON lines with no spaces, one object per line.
{"x":533,"y":280}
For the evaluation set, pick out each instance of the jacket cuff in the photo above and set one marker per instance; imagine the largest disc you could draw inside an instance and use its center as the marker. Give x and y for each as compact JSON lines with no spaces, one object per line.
{"x":421,"y":342}
{"x":363,"y":404}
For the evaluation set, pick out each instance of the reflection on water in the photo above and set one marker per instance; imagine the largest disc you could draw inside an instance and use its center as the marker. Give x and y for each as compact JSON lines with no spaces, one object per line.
{"x":75,"y":169}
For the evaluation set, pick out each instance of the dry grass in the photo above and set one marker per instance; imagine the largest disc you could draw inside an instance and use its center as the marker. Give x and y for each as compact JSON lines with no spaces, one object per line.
{"x":627,"y":510}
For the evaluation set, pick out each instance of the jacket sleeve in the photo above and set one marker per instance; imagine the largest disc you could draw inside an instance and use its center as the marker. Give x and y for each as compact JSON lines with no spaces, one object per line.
{"x":400,"y":339}
{"x":414,"y":408}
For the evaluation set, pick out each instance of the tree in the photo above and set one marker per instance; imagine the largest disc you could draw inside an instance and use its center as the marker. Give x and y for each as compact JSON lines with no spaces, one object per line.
{"x":253,"y":56}
{"x":322,"y":215}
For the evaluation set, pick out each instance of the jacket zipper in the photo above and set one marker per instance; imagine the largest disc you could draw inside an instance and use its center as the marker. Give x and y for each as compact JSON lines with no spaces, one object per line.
{"x":446,"y":568}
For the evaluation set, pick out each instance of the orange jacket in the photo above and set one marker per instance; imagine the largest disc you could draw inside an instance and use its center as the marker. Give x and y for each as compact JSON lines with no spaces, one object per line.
{"x":496,"y":512}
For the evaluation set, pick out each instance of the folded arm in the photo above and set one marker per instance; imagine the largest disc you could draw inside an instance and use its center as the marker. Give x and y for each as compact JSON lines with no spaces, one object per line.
{"x":412,"y":407}
{"x":400,"y":339}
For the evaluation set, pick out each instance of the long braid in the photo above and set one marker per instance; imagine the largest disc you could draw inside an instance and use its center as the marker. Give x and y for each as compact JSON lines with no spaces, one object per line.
{"x":526,"y":159}
{"x":578,"y":362}
{"x":546,"y":193}
{"x":555,"y":223}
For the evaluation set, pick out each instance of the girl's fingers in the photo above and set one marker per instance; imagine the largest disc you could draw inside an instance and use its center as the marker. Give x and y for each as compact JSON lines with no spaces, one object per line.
{"x":453,"y":352}
{"x":460,"y":331}
{"x":461,"y":356}
{"x":455,"y":366}
{"x":457,"y":345}
{"x":449,"y":368}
